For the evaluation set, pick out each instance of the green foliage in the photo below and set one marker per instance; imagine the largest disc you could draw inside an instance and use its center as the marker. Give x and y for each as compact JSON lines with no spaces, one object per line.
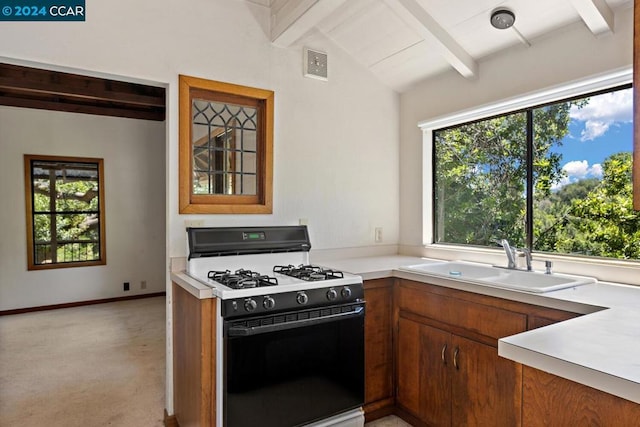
{"x":481,"y":175}
{"x":593,"y":217}
{"x":74,"y":206}
{"x":480,"y":189}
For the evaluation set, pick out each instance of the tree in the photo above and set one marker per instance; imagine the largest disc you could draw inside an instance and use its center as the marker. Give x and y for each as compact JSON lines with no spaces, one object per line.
{"x":602,"y":222}
{"x":481,"y":173}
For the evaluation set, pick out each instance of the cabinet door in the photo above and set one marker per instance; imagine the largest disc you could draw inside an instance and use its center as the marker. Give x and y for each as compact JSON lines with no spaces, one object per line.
{"x":408,"y":373}
{"x":486,"y":388}
{"x":435,"y":383}
{"x":378,"y":345}
{"x":553,"y":401}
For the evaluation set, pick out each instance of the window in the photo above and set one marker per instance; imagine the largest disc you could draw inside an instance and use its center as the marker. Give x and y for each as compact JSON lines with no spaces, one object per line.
{"x":554,"y":178}
{"x":65,"y":212}
{"x":226,"y":146}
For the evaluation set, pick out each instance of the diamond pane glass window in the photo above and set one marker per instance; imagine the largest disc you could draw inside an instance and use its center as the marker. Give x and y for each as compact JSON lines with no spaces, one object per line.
{"x":226,"y":146}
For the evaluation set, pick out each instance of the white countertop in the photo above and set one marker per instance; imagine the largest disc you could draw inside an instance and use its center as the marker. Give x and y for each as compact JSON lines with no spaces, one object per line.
{"x":600,"y":349}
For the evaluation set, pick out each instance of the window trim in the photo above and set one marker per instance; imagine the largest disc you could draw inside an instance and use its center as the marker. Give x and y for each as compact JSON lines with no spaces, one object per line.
{"x":31,"y":265}
{"x":597,"y":267}
{"x":554,"y":94}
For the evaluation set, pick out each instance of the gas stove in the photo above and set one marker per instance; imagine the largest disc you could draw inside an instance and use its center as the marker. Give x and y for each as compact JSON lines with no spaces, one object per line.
{"x":257,"y":265}
{"x":290,"y":346}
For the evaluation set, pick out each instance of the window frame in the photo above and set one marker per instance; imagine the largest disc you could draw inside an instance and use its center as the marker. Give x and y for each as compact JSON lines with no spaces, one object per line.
{"x":262,"y":201}
{"x":597,"y":267}
{"x":29,"y":205}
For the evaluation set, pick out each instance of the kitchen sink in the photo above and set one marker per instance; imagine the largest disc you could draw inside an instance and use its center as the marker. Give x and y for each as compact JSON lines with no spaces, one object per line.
{"x":533,"y":281}
{"x":457,"y":269}
{"x":529,"y":281}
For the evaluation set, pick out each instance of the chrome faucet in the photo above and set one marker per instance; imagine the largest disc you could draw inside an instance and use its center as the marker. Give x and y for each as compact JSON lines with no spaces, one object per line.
{"x":527,"y":257}
{"x":511,"y":253}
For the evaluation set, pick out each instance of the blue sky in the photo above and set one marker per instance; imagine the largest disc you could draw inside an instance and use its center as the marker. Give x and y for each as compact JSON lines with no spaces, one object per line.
{"x":601,"y":128}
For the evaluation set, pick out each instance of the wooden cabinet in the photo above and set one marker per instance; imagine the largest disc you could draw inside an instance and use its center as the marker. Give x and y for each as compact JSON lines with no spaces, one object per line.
{"x":448,"y":368}
{"x":194,"y":349}
{"x":424,"y":384}
{"x":378,"y":329}
{"x":549,"y":400}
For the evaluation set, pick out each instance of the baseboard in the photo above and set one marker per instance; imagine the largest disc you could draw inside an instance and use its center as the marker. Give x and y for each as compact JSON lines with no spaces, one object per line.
{"x":408,"y":418}
{"x":380,"y":411}
{"x":170,"y":420}
{"x":79,"y":303}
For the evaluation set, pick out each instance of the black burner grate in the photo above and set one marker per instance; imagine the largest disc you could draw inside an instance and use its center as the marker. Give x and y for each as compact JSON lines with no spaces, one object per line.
{"x":309,"y":273}
{"x":242,"y":279}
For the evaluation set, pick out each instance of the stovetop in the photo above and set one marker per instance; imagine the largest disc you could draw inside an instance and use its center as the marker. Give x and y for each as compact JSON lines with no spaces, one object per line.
{"x":233,"y":281}
{"x":244,"y":262}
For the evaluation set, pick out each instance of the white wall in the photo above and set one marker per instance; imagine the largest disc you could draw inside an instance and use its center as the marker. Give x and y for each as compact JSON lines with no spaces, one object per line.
{"x":568,"y":55}
{"x":336,"y":153}
{"x":133,"y":153}
{"x":336,"y":142}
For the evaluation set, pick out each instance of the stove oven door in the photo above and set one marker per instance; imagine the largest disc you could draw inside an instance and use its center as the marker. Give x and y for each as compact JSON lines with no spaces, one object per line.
{"x":292,"y":369}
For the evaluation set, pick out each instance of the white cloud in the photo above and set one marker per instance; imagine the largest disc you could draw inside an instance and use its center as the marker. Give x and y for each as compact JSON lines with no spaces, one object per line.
{"x":576,"y":170}
{"x":602,"y":112}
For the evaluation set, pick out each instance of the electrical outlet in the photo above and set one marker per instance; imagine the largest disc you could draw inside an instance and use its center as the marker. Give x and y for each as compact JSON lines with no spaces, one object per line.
{"x":143,"y":284}
{"x":125,"y":286}
{"x":378,"y":234}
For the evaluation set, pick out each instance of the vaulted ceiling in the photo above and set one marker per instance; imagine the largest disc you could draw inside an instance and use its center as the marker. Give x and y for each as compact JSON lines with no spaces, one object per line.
{"x":406,"y":41}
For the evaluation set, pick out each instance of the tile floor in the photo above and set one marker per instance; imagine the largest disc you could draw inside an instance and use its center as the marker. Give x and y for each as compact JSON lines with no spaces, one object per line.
{"x":390,"y":421}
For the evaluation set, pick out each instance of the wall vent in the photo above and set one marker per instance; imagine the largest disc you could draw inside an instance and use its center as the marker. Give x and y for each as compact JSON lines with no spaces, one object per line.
{"x":315,"y":64}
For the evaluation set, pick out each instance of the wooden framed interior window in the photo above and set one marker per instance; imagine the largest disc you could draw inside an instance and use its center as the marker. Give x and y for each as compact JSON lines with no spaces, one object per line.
{"x":64,"y":211}
{"x":225,"y":148}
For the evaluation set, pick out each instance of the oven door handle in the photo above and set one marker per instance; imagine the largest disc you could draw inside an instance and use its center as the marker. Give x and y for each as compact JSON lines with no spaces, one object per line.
{"x":245,"y":331}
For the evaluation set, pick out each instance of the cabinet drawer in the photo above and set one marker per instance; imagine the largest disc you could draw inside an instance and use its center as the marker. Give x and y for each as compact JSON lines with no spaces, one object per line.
{"x":483,"y":319}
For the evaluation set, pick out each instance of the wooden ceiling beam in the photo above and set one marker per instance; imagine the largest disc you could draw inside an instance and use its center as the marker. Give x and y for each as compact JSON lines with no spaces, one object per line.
{"x":52,"y":90}
{"x":596,"y":14}
{"x":61,"y":105}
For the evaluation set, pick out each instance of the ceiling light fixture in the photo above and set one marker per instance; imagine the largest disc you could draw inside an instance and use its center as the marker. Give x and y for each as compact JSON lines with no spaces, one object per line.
{"x":502,"y":19}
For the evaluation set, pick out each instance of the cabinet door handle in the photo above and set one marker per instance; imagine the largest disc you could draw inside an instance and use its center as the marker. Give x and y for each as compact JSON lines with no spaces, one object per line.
{"x":443,"y":355}
{"x":455,"y":358}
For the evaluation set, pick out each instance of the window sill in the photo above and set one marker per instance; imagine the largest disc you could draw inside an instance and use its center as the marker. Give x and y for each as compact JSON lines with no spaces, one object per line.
{"x":605,"y":270}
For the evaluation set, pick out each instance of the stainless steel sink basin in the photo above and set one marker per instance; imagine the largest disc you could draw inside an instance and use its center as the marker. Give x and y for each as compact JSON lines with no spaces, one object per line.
{"x":529,"y":281}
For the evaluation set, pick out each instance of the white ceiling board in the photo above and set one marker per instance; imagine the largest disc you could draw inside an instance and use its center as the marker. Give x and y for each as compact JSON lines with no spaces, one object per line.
{"x":298,"y":17}
{"x":421,"y":21}
{"x":449,"y":13}
{"x":349,"y":11}
{"x":374,"y":35}
{"x":410,"y":65}
{"x":405,"y":41}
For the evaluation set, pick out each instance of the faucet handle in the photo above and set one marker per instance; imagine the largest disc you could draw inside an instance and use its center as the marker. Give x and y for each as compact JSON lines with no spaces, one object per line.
{"x":547,"y":267}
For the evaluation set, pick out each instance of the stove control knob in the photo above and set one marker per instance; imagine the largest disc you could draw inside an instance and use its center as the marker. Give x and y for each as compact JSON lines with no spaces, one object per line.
{"x":302,"y":298}
{"x":250,"y":304}
{"x":268,"y":303}
{"x":332,"y":294}
{"x":346,"y":292}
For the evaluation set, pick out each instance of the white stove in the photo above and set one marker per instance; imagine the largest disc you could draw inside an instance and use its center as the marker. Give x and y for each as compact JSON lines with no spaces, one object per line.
{"x":290,"y":349}
{"x":256,"y":270}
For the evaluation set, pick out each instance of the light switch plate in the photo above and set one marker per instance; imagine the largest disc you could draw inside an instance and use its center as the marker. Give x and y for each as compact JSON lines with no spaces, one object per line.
{"x":315,"y":64}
